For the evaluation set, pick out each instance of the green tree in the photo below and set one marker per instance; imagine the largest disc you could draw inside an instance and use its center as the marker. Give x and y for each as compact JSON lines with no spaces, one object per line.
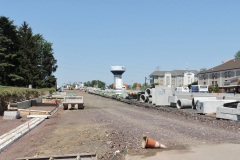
{"x":37,"y":62}
{"x":47,"y":63}
{"x":237,"y":55}
{"x":203,"y":69}
{"x":216,"y":89}
{"x":25,"y":58}
{"x":28,"y":53}
{"x":98,"y":83}
{"x":111,"y":86}
{"x":95,"y":83}
{"x":134,"y":86}
{"x":9,"y":45}
{"x":87,"y":84}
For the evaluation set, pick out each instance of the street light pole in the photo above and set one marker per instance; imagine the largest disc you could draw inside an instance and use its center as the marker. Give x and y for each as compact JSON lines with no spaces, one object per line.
{"x":145,"y":82}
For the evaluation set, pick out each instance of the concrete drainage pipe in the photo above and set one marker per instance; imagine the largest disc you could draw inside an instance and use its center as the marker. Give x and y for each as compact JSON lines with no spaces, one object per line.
{"x":149,"y":99}
{"x":148,"y":91}
{"x":184,"y":103}
{"x":195,"y":99}
{"x":143,"y":98}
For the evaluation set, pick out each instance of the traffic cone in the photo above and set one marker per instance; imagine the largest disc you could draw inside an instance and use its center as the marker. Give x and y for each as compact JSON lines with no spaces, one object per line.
{"x":150,"y":143}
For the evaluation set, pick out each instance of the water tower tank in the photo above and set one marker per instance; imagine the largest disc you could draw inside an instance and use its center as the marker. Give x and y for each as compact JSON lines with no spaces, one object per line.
{"x":117,"y":72}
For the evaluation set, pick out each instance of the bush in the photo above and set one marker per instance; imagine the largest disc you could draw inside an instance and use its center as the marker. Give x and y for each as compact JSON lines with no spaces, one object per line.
{"x":216,"y":89}
{"x":210,"y":89}
{"x":14,"y":94}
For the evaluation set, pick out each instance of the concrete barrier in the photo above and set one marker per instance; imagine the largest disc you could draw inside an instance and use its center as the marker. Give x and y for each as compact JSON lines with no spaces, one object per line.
{"x":210,"y":106}
{"x":27,"y":103}
{"x":24,"y":104}
{"x":11,"y":115}
{"x":162,"y":94}
{"x":229,"y":113}
{"x":173,"y":101}
{"x":153,"y":96}
{"x":195,"y":99}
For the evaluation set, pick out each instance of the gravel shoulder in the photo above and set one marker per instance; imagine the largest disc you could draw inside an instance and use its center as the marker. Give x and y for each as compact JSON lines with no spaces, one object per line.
{"x":106,"y":126}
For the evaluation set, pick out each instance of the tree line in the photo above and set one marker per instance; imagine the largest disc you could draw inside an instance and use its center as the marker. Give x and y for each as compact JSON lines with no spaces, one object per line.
{"x":25,"y":58}
{"x":95,"y":83}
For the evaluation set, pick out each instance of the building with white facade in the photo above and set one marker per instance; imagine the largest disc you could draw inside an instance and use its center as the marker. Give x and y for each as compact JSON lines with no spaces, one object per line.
{"x":175,"y":78}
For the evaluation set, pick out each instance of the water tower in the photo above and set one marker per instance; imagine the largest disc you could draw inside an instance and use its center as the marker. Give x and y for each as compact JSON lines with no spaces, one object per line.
{"x":117,"y":72}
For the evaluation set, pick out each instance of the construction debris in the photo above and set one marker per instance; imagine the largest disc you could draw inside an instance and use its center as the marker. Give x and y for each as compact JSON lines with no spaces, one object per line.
{"x":80,"y":156}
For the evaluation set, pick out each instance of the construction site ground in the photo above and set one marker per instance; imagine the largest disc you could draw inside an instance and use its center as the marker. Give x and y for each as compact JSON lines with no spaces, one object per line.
{"x":114,"y":130}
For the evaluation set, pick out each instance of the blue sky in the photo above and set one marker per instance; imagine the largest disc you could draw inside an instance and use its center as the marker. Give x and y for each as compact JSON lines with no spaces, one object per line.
{"x":89,"y":36}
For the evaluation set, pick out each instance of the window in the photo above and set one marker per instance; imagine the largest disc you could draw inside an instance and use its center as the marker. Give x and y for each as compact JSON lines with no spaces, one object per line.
{"x":229,"y":74}
{"x":204,"y":83}
{"x":238,"y":73}
{"x":225,"y":74}
{"x":213,"y":83}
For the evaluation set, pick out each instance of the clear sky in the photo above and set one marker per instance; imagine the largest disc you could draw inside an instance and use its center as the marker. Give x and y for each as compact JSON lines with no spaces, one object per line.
{"x":89,"y":36}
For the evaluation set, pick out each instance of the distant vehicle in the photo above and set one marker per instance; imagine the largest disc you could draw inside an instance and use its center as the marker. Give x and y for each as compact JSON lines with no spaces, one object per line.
{"x":199,"y":88}
{"x":123,"y":87}
{"x":182,"y":89}
{"x":60,"y":89}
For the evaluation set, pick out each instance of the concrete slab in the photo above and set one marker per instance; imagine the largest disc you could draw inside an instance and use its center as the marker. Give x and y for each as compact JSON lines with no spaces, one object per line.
{"x":196,"y":99}
{"x":11,"y":115}
{"x":162,"y":94}
{"x":173,"y":101}
{"x":39,"y":116}
{"x":153,"y":96}
{"x":210,"y":106}
{"x":229,"y":113}
{"x":229,"y":116}
{"x":24,"y":104}
{"x":8,"y":138}
{"x":196,"y":152}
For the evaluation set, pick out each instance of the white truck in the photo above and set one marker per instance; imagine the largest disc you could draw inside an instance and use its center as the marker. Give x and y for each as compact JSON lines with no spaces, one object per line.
{"x":182,"y":89}
{"x":73,"y":102}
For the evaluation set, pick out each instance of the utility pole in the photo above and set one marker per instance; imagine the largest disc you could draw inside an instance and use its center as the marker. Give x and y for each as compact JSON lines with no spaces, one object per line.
{"x":145,"y":82}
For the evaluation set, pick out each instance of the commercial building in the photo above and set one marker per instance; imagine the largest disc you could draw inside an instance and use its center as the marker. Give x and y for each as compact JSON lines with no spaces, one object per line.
{"x":226,"y":76}
{"x":175,"y":78}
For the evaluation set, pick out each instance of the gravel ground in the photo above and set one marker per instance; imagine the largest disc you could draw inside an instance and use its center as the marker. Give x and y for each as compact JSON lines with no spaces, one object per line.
{"x":108,"y":126}
{"x":8,"y":125}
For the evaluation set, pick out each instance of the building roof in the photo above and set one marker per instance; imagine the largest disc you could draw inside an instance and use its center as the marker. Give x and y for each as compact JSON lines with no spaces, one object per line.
{"x":229,"y":65}
{"x":174,"y":72}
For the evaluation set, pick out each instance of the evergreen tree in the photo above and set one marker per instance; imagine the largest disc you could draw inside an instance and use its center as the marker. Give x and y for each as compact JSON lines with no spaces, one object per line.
{"x":28,"y":55}
{"x":237,"y":55}
{"x":216,"y":89}
{"x":25,"y":58}
{"x":8,"y":52}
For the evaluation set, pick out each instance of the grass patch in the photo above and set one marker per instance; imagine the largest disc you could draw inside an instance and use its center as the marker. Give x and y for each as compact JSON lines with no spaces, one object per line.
{"x":10,"y":94}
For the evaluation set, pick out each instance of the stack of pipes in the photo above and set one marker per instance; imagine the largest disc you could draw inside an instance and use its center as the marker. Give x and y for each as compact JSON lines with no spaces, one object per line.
{"x":147,"y":96}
